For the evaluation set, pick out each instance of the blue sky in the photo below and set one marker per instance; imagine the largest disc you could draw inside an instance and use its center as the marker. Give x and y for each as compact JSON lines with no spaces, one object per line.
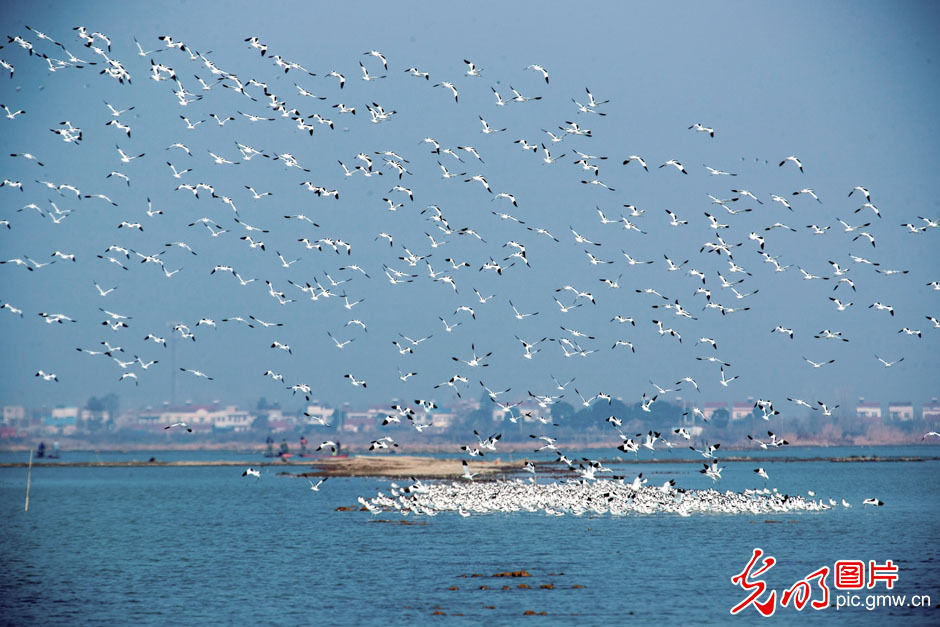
{"x":850,"y":88}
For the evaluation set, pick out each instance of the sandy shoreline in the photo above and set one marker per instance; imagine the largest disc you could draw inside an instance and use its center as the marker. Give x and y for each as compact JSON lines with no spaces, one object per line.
{"x":411,"y":466}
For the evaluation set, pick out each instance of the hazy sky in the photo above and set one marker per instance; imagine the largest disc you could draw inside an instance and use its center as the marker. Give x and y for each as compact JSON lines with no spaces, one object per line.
{"x":849,"y":88}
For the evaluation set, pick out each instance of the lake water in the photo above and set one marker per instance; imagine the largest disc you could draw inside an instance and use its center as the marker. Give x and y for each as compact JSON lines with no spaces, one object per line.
{"x":181,"y":545}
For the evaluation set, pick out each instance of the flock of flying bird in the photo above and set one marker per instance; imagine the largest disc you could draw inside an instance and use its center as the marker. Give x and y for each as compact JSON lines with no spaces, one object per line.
{"x":426,"y":241}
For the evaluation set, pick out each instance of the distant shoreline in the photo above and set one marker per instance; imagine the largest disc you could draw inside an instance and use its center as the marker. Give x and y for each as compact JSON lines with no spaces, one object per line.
{"x":355,"y":447}
{"x":428,"y":466}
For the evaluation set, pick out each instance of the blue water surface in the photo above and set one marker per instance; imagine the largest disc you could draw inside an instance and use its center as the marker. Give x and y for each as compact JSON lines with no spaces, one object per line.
{"x":181,"y":545}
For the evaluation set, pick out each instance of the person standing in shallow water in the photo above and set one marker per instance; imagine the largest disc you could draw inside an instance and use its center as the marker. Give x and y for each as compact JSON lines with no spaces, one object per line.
{"x":303,"y":444}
